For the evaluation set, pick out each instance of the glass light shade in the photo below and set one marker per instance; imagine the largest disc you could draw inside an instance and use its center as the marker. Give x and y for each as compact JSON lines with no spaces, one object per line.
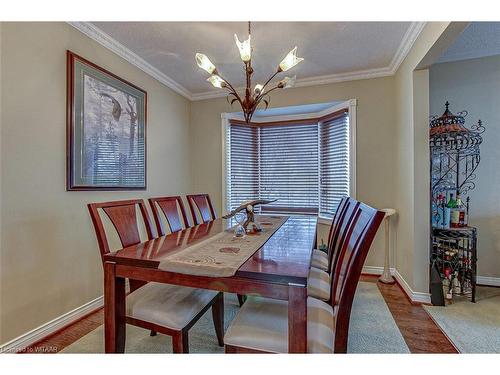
{"x":204,"y":63}
{"x":290,"y":60}
{"x":288,"y":82}
{"x":216,"y":81}
{"x":244,"y":47}
{"x":258,"y":89}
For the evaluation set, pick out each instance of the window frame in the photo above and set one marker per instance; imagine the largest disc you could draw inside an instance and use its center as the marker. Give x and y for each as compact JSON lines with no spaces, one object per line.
{"x":350,"y":105}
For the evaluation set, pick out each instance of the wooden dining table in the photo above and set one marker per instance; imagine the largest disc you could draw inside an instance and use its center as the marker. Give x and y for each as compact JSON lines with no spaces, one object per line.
{"x":278,"y":270}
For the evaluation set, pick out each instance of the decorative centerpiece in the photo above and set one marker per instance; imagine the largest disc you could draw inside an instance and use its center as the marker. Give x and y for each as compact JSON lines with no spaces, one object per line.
{"x":249,"y":225}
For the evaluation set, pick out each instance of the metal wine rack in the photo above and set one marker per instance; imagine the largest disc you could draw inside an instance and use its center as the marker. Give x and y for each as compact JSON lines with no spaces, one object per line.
{"x":455,"y":156}
{"x":456,"y":249}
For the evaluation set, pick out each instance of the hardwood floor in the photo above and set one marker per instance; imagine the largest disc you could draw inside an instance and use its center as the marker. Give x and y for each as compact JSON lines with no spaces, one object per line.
{"x":420,"y":332}
{"x":68,"y":335}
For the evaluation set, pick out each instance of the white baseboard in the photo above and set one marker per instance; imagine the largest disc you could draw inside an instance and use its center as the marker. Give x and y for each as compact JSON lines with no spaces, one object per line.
{"x":375,"y":270}
{"x":414,"y":296}
{"x":29,"y":338}
{"x":488,"y":280}
{"x":418,"y":297}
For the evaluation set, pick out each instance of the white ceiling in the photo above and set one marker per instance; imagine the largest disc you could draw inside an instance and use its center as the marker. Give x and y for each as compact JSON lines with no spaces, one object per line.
{"x":333,"y":51}
{"x":479,"y":39}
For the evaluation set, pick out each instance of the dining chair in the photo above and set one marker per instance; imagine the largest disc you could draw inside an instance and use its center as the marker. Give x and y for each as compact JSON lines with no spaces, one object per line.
{"x":321,"y":259}
{"x":261,"y":326}
{"x":164,"y":308}
{"x":319,"y":280}
{"x":170,"y":207}
{"x":203,"y":205}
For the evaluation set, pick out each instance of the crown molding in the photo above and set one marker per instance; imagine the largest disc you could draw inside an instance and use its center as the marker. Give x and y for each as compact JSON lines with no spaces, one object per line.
{"x":311,"y":81}
{"x":404,"y":48}
{"x":466,"y":55}
{"x":107,"y":41}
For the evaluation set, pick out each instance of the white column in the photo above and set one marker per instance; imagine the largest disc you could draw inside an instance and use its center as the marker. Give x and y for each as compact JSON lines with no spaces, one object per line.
{"x":386,"y":277}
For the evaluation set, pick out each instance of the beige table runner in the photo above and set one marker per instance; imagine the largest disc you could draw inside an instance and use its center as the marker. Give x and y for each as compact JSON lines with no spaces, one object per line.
{"x":222,"y":254}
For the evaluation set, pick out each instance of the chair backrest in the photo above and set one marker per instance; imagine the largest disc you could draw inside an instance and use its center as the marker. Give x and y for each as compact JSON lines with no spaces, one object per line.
{"x":334,"y":228}
{"x":203,"y":205}
{"x":340,"y":235}
{"x":336,"y":218}
{"x":170,"y":206}
{"x":123,"y":217}
{"x":347,"y":271}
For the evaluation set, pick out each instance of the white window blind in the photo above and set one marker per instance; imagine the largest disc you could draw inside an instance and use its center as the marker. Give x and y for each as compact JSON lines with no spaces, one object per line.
{"x":304,"y":166}
{"x":242,"y":158}
{"x":334,"y":163}
{"x":289,"y":168}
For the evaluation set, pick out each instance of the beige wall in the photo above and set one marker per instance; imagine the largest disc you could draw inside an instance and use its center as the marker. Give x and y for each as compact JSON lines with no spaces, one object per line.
{"x":375,"y":141}
{"x":473,"y":85}
{"x":412,"y":171}
{"x":49,"y":261}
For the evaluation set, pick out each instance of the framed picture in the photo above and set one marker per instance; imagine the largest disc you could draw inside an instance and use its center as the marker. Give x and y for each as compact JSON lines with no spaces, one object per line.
{"x":106,"y":129}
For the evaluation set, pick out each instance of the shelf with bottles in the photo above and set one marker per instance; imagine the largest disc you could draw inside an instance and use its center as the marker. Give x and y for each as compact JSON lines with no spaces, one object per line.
{"x":449,"y":211}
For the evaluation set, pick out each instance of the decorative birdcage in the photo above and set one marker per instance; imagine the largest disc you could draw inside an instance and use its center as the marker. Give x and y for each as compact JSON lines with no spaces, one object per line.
{"x":454,"y":152}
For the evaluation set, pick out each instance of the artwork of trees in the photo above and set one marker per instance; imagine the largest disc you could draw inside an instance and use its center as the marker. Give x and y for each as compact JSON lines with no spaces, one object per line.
{"x":113,"y":150}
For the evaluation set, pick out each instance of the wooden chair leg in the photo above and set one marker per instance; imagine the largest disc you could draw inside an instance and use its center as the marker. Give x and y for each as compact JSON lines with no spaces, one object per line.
{"x":180,"y":343}
{"x":218,"y":317}
{"x":241,"y":299}
{"x":152,"y":333}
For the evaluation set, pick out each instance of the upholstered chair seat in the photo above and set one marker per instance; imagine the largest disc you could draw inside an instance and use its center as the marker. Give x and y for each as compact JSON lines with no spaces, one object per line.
{"x":318,"y":284}
{"x":170,"y":306}
{"x":319,"y":260}
{"x":262,"y":324}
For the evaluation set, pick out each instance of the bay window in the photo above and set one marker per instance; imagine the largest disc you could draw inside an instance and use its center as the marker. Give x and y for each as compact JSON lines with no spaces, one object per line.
{"x":305,"y":164}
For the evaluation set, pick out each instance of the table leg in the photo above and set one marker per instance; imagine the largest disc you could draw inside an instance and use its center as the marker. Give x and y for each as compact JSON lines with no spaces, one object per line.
{"x":114,"y":310}
{"x":297,"y":318}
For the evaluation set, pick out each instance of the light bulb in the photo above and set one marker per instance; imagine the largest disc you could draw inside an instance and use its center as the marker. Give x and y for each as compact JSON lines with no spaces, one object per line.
{"x":288,"y":82}
{"x":258,"y":89}
{"x":216,"y":81}
{"x":244,"y":47}
{"x":204,"y":63}
{"x":290,"y":60}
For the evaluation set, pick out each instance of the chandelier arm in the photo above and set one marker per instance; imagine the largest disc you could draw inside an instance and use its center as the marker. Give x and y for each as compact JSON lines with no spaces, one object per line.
{"x":233,"y":92}
{"x":258,"y":99}
{"x":270,"y":78}
{"x":236,"y":96}
{"x":227,"y":83}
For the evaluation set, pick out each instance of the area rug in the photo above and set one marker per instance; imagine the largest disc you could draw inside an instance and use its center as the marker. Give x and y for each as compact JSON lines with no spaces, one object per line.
{"x":472,"y":327}
{"x":372,"y":330}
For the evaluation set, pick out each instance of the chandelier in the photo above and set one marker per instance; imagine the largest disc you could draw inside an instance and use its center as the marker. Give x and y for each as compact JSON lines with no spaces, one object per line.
{"x":260,"y":92}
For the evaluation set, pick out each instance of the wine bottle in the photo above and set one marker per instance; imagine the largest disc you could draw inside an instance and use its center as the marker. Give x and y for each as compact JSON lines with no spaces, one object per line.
{"x":454,"y":213}
{"x":461,"y":212}
{"x":447,"y":211}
